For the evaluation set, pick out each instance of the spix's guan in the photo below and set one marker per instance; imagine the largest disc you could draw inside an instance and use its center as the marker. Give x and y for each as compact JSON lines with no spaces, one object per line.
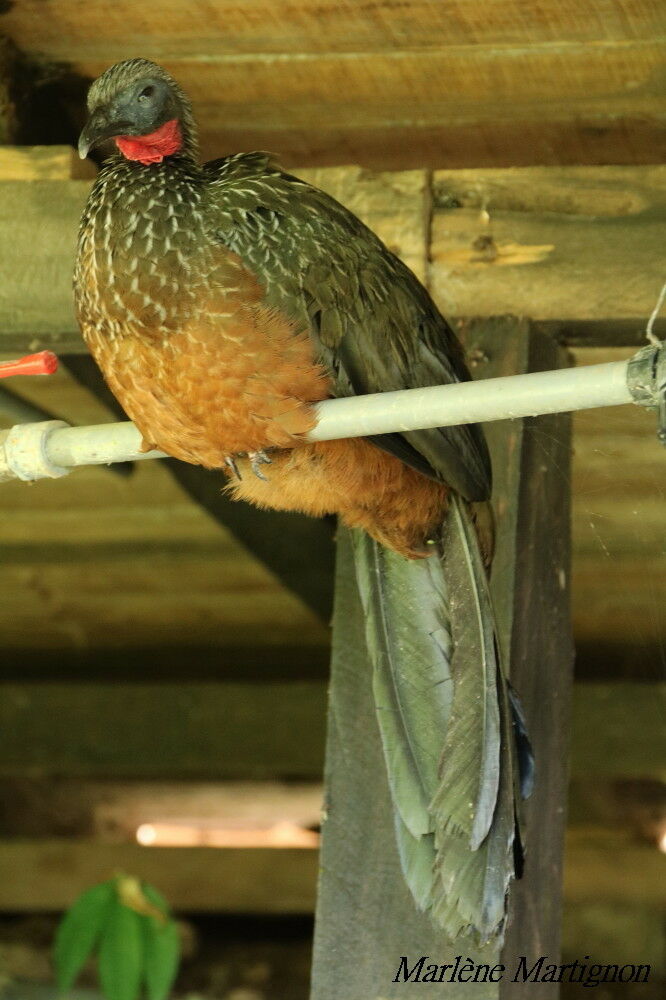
{"x":221,"y":302}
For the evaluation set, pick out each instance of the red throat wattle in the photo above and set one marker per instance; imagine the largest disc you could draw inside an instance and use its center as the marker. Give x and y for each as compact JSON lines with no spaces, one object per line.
{"x":152,"y":148}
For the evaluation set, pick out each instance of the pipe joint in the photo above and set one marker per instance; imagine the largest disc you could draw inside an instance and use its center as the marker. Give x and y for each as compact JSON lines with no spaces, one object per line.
{"x":646,"y":381}
{"x":24,"y":452}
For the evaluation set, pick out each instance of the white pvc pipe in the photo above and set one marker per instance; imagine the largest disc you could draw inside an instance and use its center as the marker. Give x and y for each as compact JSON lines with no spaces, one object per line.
{"x":97,"y":444}
{"x":50,"y":449}
{"x":502,"y":398}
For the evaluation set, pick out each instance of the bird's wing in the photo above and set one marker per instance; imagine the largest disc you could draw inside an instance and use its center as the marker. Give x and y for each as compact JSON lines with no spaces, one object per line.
{"x":374,"y":326}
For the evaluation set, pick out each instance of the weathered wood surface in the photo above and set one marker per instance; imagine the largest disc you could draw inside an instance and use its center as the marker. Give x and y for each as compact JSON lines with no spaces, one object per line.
{"x":578,"y":248}
{"x":43,"y":163}
{"x":119,"y":726}
{"x":541,"y":668}
{"x":574,"y":244}
{"x":38,"y":225}
{"x":619,"y":572}
{"x":158,"y":730}
{"x":149,"y":593}
{"x":112,"y":811}
{"x":261,"y":880}
{"x":258,"y":26}
{"x":40,"y":202}
{"x":416,"y":83}
{"x":366,"y":918}
{"x":600,"y":869}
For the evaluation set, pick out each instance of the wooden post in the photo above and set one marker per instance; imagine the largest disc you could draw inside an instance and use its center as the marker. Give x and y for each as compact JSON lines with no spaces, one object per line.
{"x":366,"y":920}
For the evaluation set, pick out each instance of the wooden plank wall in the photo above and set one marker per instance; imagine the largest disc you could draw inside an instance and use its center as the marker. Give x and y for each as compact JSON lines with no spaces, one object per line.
{"x":93,"y":559}
{"x":537,"y":242}
{"x":438,"y":83}
{"x":493,"y":239}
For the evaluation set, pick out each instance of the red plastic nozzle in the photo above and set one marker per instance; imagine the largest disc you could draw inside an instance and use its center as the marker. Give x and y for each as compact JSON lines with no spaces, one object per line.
{"x":44,"y":363}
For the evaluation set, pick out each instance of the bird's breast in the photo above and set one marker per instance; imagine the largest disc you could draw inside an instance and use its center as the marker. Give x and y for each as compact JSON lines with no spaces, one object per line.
{"x":181,"y":329}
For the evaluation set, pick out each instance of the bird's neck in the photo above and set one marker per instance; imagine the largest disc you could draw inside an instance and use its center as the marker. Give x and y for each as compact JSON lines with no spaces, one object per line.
{"x":142,"y":236}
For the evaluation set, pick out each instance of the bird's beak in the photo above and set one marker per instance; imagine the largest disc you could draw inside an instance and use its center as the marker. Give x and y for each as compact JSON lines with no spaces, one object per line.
{"x":100,"y":127}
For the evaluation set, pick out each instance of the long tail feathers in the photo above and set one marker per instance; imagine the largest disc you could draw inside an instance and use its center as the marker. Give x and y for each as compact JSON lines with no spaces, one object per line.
{"x":449,"y":725}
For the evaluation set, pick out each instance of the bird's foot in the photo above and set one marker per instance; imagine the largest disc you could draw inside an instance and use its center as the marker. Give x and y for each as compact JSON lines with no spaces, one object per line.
{"x":230,"y":462}
{"x":257,"y":459}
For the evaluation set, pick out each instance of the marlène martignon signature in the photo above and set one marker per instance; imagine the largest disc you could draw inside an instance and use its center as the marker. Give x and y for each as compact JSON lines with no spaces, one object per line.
{"x":540,"y":970}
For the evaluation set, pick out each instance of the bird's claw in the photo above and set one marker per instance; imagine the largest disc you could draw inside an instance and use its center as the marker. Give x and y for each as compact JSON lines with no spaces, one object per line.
{"x":257,"y":459}
{"x":230,"y":461}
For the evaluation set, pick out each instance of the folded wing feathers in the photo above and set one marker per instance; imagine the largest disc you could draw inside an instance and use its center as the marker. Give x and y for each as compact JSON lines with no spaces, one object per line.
{"x":445,"y":724}
{"x":469,"y":774}
{"x":408,"y":643}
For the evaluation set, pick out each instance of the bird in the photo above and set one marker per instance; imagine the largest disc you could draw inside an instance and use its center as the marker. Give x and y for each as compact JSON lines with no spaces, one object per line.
{"x":223,"y":301}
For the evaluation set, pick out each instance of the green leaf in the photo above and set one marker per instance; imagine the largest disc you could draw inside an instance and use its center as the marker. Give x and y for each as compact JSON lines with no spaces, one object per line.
{"x":121,"y":954}
{"x":162,"y":945}
{"x":79,"y":931}
{"x":155,"y":897}
{"x":162,"y":953}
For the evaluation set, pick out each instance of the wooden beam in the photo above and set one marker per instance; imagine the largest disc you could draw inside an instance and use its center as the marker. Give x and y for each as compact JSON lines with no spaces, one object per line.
{"x":360,"y":867}
{"x":575,"y":244}
{"x":260,"y":880}
{"x":158,"y":730}
{"x":485,"y":144}
{"x":384,"y":84}
{"x":602,"y":865}
{"x":626,"y":726}
{"x":539,"y":578}
{"x":38,"y":224}
{"x":113,"y":811}
{"x":319,"y":26}
{"x":43,"y":163}
{"x":149,"y":595}
{"x":209,"y":729}
{"x":48,"y":874}
{"x":575,"y":248}
{"x":483,"y":86}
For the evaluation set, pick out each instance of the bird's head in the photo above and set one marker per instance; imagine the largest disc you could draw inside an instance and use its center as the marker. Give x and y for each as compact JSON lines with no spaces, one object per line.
{"x":142,"y":108}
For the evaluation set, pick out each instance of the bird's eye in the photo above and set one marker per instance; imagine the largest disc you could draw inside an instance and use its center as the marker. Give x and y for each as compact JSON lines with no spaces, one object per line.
{"x":147,"y":93}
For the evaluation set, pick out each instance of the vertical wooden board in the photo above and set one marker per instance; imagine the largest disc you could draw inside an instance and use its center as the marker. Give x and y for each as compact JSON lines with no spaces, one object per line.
{"x":542,"y":672}
{"x":530,"y":587}
{"x":366,"y":918}
{"x":494,"y":348}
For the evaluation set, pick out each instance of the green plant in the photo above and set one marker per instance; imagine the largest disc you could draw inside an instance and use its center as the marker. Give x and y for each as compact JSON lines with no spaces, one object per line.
{"x":127,"y":923}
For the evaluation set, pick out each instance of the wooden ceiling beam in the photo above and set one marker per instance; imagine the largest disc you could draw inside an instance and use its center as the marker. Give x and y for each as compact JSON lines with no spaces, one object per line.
{"x":576,"y":248}
{"x":61,"y":29}
{"x":436,"y":83}
{"x":600,"y":869}
{"x":215,"y":730}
